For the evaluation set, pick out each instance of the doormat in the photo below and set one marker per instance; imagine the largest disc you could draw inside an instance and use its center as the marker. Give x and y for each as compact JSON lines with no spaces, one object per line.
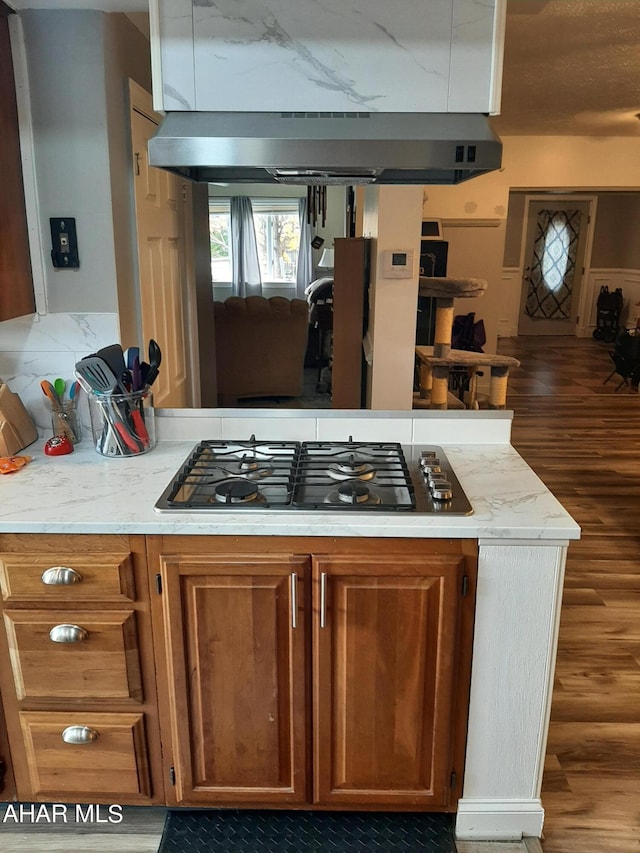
{"x":248,"y":831}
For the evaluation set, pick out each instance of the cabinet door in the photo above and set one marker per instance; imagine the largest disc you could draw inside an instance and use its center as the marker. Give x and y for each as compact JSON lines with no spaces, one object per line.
{"x":235,"y":645}
{"x":384,"y":679}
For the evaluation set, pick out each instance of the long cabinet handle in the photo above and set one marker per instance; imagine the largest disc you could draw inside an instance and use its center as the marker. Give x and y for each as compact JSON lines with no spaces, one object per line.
{"x":294,"y":600}
{"x":68,"y":634}
{"x":323,"y":599}
{"x":79,"y":735}
{"x":60,"y":576}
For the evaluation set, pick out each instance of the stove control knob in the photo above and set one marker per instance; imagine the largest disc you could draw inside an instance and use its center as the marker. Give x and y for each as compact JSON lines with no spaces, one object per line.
{"x":442,"y":491}
{"x":431,"y":466}
{"x":434,"y":478}
{"x":429,"y":460}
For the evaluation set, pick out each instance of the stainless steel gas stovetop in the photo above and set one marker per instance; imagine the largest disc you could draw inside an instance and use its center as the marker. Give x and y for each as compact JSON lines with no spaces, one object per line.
{"x":349,"y":476}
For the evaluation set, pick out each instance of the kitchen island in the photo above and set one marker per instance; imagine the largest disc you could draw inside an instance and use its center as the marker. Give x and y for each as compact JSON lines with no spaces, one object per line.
{"x":521,"y":533}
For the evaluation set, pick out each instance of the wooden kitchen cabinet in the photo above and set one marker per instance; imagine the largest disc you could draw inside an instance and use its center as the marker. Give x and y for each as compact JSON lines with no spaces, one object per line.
{"x":235,"y":656}
{"x":313,"y":672}
{"x":384,"y":661}
{"x":76,"y":653}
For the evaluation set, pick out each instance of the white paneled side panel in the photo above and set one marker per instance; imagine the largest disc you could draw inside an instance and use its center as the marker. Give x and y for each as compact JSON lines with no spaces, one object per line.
{"x":517,"y":613}
{"x":336,"y":55}
{"x":472,"y":33}
{"x":173,"y":63}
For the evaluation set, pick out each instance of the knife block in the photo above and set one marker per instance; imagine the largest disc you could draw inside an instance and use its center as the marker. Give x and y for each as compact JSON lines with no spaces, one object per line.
{"x":17,"y":429}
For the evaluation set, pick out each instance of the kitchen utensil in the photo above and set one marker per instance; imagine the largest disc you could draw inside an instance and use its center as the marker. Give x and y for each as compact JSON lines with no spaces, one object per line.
{"x":60,"y":387}
{"x":50,"y":393}
{"x":97,"y":374}
{"x":155,"y":358}
{"x":136,"y":375}
{"x":130,"y":355}
{"x":73,"y":392}
{"x":114,"y":358}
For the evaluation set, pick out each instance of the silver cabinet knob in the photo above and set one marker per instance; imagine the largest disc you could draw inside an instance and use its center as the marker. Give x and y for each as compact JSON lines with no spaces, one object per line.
{"x":60,"y":576}
{"x":67,"y":634}
{"x":79,"y":734}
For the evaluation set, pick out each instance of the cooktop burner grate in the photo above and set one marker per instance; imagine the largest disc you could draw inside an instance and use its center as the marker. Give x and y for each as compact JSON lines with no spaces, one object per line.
{"x":215,"y":472}
{"x":374,"y":476}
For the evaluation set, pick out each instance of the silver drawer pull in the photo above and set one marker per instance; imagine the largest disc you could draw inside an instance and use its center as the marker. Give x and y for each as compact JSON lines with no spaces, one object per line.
{"x":67,"y":634}
{"x":60,"y":576}
{"x":79,"y":734}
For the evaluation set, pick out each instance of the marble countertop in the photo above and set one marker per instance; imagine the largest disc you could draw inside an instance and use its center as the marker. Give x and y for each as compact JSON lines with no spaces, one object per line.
{"x":88,"y":493}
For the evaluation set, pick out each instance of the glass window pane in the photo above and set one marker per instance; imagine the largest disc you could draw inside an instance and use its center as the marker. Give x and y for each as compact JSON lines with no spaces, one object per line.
{"x":277,"y":229}
{"x":555,"y":256}
{"x":277,"y":235}
{"x":220,"y":237}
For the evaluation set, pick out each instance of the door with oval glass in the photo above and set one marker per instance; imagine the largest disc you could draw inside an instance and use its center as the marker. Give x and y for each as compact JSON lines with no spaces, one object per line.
{"x":556,"y":238}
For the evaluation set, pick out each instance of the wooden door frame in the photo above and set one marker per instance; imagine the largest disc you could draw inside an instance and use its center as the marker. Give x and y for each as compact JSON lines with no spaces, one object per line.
{"x":590,"y":198}
{"x":140,"y":101}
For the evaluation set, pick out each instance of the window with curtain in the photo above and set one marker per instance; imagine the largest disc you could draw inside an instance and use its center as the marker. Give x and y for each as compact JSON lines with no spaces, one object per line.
{"x":277,"y":229}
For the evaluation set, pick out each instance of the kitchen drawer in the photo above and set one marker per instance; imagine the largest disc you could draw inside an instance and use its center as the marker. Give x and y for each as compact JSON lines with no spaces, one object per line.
{"x":112,"y":760}
{"x":97,"y":658}
{"x":64,"y":576}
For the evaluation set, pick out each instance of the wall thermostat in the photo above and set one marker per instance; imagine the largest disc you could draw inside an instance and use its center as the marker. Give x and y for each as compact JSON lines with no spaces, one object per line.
{"x":397,"y":263}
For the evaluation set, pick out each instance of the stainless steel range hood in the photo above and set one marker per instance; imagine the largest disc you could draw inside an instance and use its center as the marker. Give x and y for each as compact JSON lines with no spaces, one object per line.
{"x":326,"y":148}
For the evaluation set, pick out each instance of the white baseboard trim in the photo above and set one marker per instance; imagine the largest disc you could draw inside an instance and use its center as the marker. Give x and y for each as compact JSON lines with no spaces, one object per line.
{"x":498,"y":820}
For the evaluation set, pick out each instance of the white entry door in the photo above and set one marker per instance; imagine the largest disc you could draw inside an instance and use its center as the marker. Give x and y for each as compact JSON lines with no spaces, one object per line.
{"x":161,"y":258}
{"x":555,"y":244}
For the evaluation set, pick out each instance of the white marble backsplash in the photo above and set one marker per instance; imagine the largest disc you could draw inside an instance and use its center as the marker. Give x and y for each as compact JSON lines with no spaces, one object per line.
{"x":47,"y":346}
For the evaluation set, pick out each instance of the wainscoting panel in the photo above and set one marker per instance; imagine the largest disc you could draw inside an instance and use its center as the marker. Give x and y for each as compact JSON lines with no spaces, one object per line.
{"x":511,"y":288}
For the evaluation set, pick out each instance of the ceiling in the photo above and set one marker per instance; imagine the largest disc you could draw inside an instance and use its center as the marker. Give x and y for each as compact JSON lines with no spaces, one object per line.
{"x":571,"y":67}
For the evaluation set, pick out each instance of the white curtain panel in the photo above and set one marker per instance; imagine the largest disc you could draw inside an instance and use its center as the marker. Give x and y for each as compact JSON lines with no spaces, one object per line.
{"x":245,"y":265}
{"x":304,"y":272}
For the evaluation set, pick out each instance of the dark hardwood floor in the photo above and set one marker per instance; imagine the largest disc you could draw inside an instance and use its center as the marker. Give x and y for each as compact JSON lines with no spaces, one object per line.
{"x":583,"y":440}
